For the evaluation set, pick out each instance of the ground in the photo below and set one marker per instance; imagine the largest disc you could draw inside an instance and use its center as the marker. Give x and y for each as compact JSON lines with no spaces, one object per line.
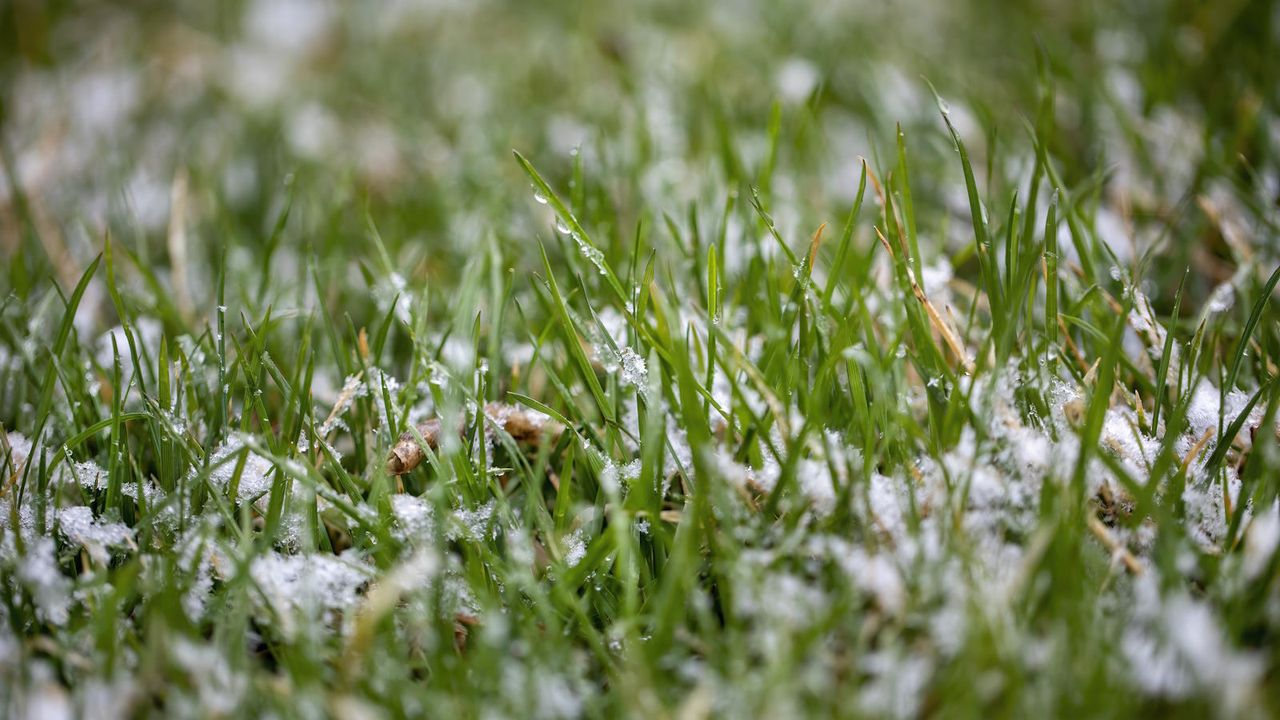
{"x":555,"y":360}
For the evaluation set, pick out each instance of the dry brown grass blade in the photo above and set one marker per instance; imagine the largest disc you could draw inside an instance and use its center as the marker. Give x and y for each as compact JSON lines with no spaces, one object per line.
{"x":943,"y":329}
{"x":1197,"y":449}
{"x":940,"y":326}
{"x":814,"y":243}
{"x":341,"y":404}
{"x":1065,"y":334}
{"x":1116,"y":547}
{"x":1091,"y":375}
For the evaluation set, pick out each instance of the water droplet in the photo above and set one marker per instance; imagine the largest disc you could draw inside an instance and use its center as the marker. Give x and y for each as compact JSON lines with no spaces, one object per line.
{"x":561,"y":227}
{"x":539,"y":197}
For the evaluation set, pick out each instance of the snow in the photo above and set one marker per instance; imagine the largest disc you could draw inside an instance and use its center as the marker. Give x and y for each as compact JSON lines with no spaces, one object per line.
{"x":609,"y":478}
{"x":817,"y":485}
{"x":47,"y":699}
{"x":575,"y":548}
{"x":19,"y":449}
{"x":632,"y":367}
{"x":1176,"y":647}
{"x":80,"y":526}
{"x":780,"y":598}
{"x":289,"y":25}
{"x":613,"y":353}
{"x":1261,"y":541}
{"x":1121,"y":435}
{"x":796,"y":79}
{"x":147,"y":333}
{"x":983,"y":492}
{"x":886,"y":499}
{"x":91,"y":476}
{"x":541,"y":693}
{"x":50,"y":590}
{"x":474,"y":524}
{"x":110,"y":697}
{"x":219,"y":688}
{"x":393,"y":288}
{"x":415,"y":518}
{"x":896,"y":683}
{"x":1206,"y":407}
{"x":255,"y":479}
{"x":306,"y":586}
{"x":312,"y":131}
{"x":197,"y":557}
{"x":877,"y":574}
{"x":1221,"y":299}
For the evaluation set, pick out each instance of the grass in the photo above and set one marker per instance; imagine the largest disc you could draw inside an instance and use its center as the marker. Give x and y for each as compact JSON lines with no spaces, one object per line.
{"x":766,"y":378}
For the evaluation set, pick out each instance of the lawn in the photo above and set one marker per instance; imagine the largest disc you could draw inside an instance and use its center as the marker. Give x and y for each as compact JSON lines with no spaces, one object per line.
{"x":660,"y":359}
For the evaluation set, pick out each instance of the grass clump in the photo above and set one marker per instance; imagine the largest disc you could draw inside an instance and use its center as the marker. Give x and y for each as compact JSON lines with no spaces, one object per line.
{"x":763,"y":379}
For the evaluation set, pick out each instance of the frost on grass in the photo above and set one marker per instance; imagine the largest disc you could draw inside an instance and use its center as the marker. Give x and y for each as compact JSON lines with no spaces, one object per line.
{"x":541,"y":691}
{"x":50,"y":590}
{"x":986,"y":488}
{"x":1262,"y":540}
{"x":614,"y":355}
{"x":476,"y":523}
{"x":302,"y":589}
{"x":80,"y":526}
{"x":219,"y":689}
{"x":857,"y":548}
{"x":1175,"y":647}
{"x":615,"y":479}
{"x":896,"y":683}
{"x":392,"y":289}
{"x":255,"y":478}
{"x":575,"y":548}
{"x":415,"y":518}
{"x":196,"y":561}
{"x":1000,"y":478}
{"x":14,"y":452}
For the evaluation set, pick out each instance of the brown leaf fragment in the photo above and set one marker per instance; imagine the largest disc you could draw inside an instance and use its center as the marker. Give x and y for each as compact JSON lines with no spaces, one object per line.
{"x":525,"y":426}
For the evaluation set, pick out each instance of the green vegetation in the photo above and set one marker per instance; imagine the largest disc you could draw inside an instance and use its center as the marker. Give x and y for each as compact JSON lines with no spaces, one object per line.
{"x":832,"y":359}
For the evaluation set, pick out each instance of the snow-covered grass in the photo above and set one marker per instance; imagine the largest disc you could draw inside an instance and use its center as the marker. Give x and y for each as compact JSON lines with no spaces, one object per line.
{"x":760,"y":382}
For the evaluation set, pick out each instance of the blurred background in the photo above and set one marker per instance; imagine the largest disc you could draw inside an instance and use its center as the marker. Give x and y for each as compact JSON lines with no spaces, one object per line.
{"x":408,"y":110}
